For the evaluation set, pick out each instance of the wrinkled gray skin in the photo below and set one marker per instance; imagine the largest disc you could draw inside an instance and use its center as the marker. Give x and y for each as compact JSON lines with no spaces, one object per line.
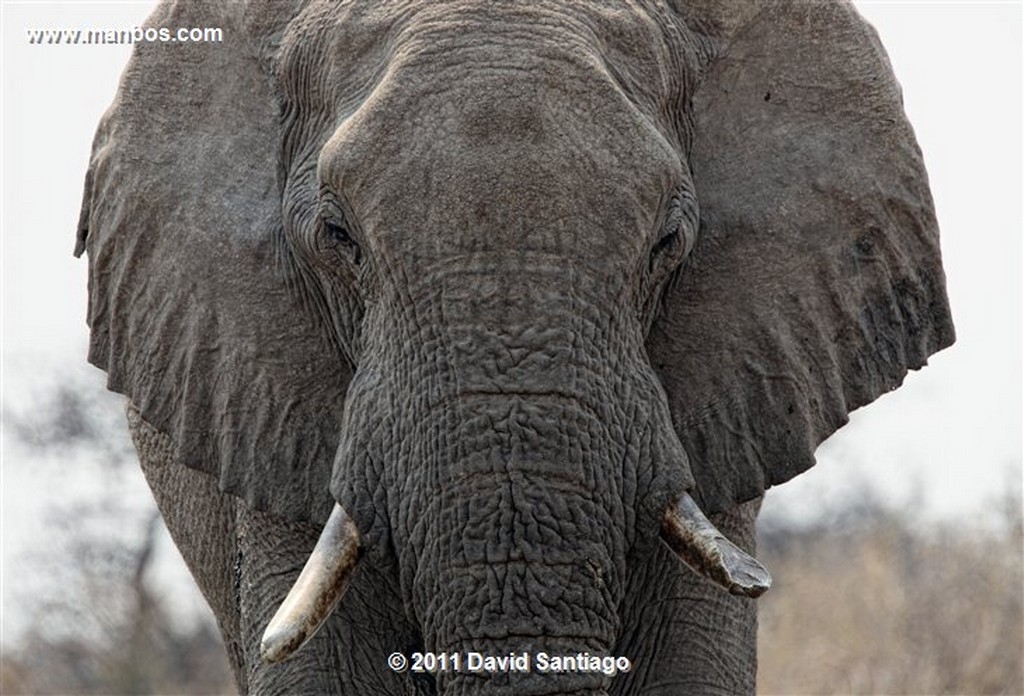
{"x":503,"y":279}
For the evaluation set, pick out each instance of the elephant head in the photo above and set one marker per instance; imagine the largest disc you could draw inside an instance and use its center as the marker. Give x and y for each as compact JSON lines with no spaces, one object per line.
{"x":514,"y":289}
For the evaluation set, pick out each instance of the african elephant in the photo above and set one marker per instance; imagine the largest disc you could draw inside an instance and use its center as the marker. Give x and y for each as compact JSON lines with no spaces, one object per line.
{"x":504,"y":297}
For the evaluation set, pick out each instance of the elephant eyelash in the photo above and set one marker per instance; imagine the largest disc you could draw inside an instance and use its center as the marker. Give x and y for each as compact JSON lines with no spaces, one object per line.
{"x":667,"y":241}
{"x":682,"y":216}
{"x":333,"y":232}
{"x":336,"y":233}
{"x":337,"y":238}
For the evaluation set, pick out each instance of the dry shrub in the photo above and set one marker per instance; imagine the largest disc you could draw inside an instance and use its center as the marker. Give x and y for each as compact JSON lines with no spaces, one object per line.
{"x":107,"y":631}
{"x":96,"y":622}
{"x":142,"y":660}
{"x":887,"y":607}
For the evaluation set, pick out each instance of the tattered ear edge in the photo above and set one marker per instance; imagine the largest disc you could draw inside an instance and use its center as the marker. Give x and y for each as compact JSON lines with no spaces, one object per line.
{"x":816,"y":282}
{"x":190,"y":309}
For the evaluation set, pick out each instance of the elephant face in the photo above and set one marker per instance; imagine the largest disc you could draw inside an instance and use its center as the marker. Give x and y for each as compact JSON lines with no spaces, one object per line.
{"x":502,"y":211}
{"x":510,"y":282}
{"x":531,"y":138}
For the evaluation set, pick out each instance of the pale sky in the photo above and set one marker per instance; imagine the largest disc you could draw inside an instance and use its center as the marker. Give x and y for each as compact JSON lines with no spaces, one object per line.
{"x":948,"y":442}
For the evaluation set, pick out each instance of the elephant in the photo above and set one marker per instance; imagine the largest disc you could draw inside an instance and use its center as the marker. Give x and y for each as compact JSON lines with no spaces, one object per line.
{"x":461,"y":340}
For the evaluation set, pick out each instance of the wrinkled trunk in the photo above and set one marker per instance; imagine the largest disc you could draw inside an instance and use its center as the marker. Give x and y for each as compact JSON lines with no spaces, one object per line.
{"x":522,"y":549}
{"x":529,"y":508}
{"x":520,"y":445}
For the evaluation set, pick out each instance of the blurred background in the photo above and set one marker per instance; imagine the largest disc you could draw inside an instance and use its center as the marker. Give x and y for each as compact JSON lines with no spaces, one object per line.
{"x":897,"y":560}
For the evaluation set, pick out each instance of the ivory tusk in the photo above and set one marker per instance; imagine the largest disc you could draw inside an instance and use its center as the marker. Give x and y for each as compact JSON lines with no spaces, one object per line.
{"x":318,"y":590}
{"x":700,"y":545}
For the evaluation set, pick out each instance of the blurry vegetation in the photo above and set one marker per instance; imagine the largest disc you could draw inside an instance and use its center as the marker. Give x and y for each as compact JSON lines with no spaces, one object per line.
{"x":866,"y":600}
{"x":869,"y":601}
{"x":109,"y":632}
{"x":97,"y":623}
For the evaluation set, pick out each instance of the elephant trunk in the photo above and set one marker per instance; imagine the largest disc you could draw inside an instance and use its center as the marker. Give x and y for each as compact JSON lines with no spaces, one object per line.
{"x":521,"y":547}
{"x":542,"y":454}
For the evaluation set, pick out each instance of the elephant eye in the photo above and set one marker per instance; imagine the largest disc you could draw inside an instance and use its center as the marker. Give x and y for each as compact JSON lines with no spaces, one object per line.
{"x":678,"y":231}
{"x":667,"y":241}
{"x":337,"y":233}
{"x":337,"y":240}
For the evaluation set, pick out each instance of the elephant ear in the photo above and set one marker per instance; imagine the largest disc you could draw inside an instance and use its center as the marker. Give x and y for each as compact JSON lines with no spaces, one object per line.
{"x":191,"y":306}
{"x":816,"y":281}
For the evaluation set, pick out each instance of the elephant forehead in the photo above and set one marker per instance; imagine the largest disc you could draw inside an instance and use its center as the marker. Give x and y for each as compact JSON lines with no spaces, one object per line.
{"x":489,"y":73}
{"x":354,"y":38}
{"x":500,"y":135}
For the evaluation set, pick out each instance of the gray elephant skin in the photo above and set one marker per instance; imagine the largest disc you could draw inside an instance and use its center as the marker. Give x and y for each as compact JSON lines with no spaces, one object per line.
{"x":496,"y":287}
